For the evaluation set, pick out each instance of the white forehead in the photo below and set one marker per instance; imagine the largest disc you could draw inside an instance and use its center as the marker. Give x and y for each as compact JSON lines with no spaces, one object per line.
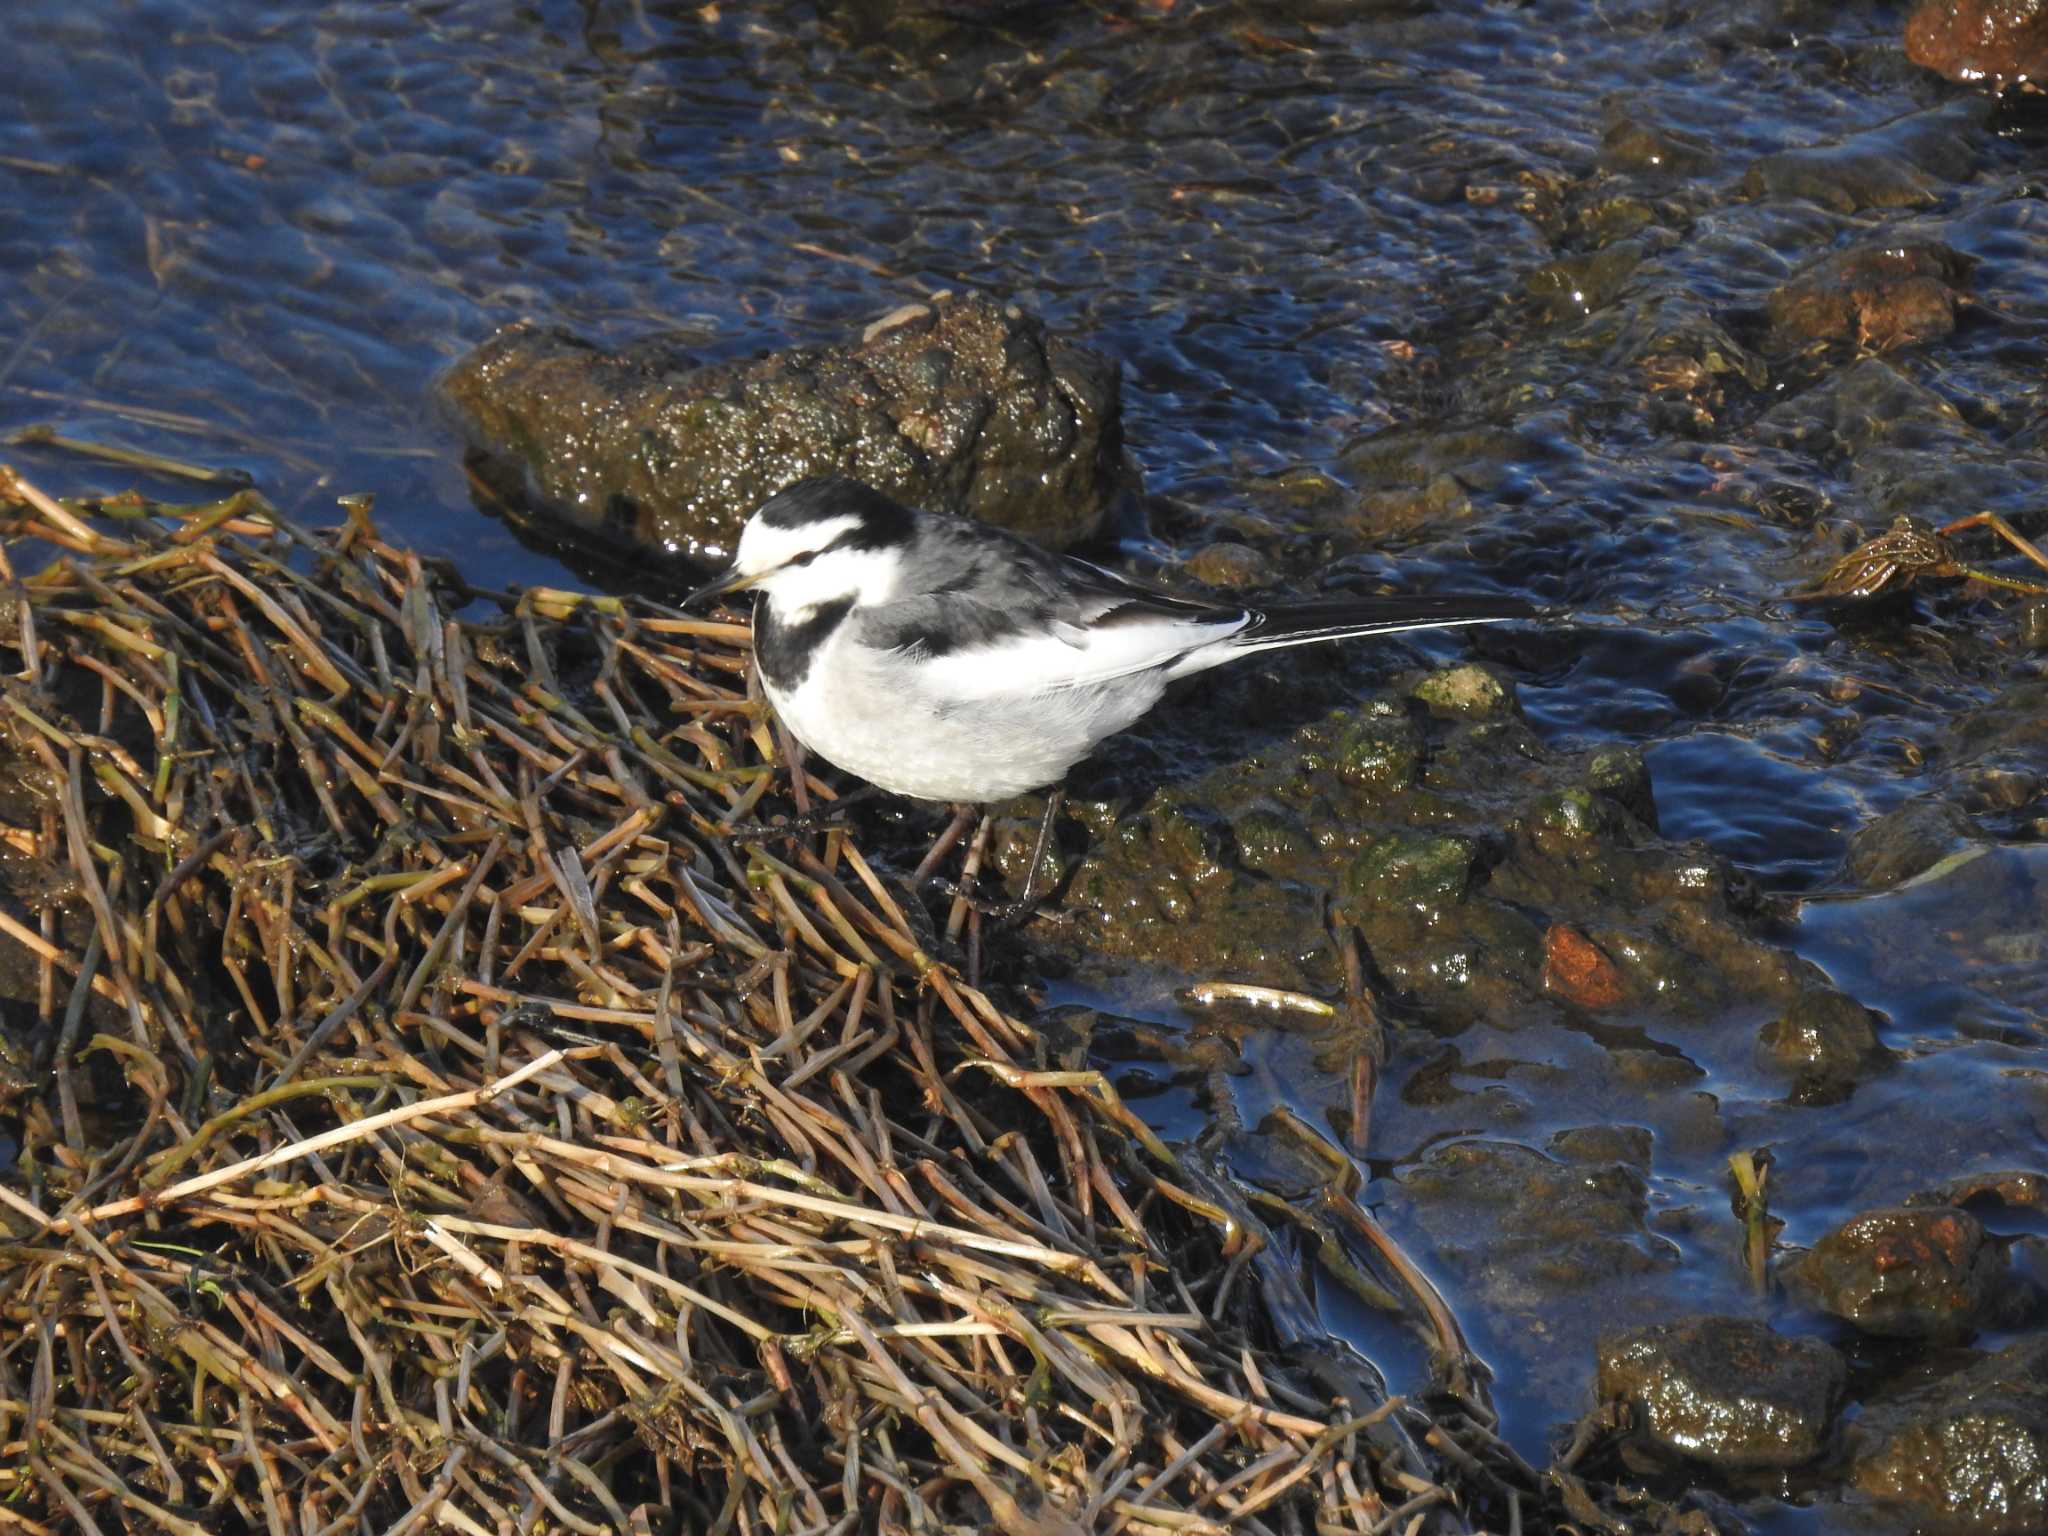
{"x":764,"y":546}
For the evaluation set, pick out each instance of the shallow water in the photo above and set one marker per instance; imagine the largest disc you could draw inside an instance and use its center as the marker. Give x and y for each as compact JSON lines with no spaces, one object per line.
{"x":1337,"y":247}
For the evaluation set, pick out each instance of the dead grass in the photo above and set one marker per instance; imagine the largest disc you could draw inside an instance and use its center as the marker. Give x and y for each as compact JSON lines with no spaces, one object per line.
{"x":432,"y":1117}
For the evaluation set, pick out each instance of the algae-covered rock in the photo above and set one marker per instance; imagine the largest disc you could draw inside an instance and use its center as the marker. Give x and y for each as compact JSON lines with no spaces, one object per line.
{"x":1727,"y":1390}
{"x":1906,"y":842}
{"x":1378,"y":750}
{"x":1967,"y":1454}
{"x":1412,"y":869}
{"x":1621,"y":775}
{"x":1268,"y":837}
{"x":1470,"y":688}
{"x":1484,"y":877}
{"x":963,"y":405}
{"x":1828,"y":1039}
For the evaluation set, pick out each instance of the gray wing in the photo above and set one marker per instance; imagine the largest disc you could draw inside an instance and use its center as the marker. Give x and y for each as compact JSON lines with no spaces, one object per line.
{"x":970,"y":588}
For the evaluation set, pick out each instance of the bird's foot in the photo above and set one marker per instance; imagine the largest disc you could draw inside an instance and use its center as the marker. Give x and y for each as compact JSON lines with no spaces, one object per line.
{"x":1006,"y":915}
{"x":1010,"y":915}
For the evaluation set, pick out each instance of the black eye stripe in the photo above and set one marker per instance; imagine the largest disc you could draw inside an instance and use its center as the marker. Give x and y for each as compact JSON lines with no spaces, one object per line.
{"x":848,"y":540}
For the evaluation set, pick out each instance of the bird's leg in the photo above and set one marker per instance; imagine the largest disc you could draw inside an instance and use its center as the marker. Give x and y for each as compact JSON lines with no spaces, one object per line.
{"x":1007,"y":915}
{"x":793,"y":756}
{"x":1027,"y":901}
{"x":970,"y":875}
{"x":966,"y":911}
{"x":963,"y":818}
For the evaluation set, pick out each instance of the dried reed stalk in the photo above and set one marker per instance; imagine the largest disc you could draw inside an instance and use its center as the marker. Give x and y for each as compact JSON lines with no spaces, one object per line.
{"x":454,"y":1126}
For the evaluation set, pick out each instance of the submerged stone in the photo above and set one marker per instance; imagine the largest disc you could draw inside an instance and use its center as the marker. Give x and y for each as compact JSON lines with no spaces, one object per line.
{"x":1727,"y":1390}
{"x":1904,"y":163}
{"x":1828,"y":1039}
{"x":1880,"y":297}
{"x":1554,"y":1225}
{"x":1633,"y":145}
{"x":1232,"y":567}
{"x":1868,"y":405}
{"x":1436,"y":503}
{"x":1906,"y":842}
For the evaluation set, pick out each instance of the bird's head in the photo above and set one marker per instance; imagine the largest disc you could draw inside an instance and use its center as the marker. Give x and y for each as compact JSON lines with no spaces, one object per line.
{"x":821,"y":541}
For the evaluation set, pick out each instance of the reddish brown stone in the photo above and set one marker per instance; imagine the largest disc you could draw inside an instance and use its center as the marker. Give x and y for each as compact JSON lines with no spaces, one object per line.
{"x":1924,"y":1272}
{"x":1881,"y":297}
{"x":1998,"y":42}
{"x":1575,"y":969}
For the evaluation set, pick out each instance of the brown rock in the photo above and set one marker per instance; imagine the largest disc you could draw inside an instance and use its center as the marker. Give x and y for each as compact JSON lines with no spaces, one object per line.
{"x":1882,"y":298}
{"x":1922,"y":1272}
{"x":1998,"y":42}
{"x":1233,"y":567}
{"x":1575,"y":969}
{"x":1966,"y":1455}
{"x":962,"y":405}
{"x":1726,"y":1389}
{"x":1826,"y":1038}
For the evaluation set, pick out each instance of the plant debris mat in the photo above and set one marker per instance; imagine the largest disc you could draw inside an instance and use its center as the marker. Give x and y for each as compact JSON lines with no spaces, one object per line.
{"x":431,"y":1116}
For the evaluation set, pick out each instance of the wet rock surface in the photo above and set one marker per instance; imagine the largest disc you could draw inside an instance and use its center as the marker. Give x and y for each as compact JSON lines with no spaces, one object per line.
{"x":1558,"y":1221}
{"x":1906,"y":842}
{"x":1827,"y":1041}
{"x":1444,"y":832}
{"x":1880,"y":298}
{"x":1726,"y":1390}
{"x":1967,"y":1453}
{"x":963,"y":406}
{"x":1923,"y":1272}
{"x":1994,"y":42}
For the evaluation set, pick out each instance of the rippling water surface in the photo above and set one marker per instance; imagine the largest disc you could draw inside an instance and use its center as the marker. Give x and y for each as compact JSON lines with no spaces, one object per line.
{"x":1336,"y":247}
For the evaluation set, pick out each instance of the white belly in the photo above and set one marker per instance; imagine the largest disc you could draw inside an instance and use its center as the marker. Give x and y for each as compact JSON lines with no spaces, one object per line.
{"x":873,"y":720}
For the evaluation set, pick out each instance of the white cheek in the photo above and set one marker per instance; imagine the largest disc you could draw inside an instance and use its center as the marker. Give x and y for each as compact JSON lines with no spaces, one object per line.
{"x":804,"y":587}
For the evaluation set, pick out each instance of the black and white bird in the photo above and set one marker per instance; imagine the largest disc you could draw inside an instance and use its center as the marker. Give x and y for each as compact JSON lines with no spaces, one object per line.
{"x":944,"y":659}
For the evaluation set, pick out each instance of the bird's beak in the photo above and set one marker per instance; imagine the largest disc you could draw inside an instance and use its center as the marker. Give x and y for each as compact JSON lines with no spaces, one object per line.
{"x":731,"y":581}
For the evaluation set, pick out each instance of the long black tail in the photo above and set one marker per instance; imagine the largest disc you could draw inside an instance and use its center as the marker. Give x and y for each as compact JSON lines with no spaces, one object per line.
{"x":1339,"y":618}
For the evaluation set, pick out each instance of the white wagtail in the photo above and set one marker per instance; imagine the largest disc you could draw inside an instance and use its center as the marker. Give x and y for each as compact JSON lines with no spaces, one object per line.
{"x":941,"y":658}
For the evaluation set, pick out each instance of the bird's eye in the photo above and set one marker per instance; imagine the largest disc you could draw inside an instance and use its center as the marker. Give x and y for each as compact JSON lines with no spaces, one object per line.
{"x":803,"y":559}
